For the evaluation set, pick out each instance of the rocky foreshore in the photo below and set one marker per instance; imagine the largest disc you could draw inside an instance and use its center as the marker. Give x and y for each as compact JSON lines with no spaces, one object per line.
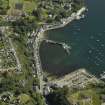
{"x":78,"y":79}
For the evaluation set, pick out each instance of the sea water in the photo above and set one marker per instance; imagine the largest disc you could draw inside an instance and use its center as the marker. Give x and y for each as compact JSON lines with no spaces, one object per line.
{"x":86,"y":38}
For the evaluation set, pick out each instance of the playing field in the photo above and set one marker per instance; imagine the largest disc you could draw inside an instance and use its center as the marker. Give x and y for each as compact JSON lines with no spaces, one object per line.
{"x":27,"y":5}
{"x":86,"y":97}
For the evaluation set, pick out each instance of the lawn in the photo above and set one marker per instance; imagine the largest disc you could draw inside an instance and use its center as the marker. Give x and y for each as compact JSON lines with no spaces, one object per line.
{"x":28,"y":5}
{"x":78,"y":97}
{"x":24,"y":98}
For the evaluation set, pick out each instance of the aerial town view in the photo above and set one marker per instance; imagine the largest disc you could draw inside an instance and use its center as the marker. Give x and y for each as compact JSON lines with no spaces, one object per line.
{"x":52,"y":52}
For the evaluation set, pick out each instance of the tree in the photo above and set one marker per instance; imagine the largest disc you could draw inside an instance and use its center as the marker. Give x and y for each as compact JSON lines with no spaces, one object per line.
{"x":58,"y":97}
{"x":4,"y":6}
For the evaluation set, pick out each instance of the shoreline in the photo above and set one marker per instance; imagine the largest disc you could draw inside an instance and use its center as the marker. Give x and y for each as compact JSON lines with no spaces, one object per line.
{"x":79,"y":78}
{"x":39,"y":39}
{"x":64,"y":22}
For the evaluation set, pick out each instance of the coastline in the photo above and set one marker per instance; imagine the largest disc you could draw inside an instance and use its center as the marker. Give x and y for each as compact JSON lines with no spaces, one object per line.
{"x":39,"y":36}
{"x":79,"y":78}
{"x":65,"y":21}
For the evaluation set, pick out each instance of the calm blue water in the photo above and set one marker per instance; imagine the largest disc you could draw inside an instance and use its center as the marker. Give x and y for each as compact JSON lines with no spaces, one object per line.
{"x":87,"y":39}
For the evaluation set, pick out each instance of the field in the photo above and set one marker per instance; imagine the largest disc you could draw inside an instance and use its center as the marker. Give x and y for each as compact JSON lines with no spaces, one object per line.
{"x":86,"y":97}
{"x":27,"y":5}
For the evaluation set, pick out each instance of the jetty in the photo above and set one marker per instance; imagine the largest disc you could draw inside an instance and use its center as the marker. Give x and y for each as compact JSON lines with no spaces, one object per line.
{"x":65,"y":46}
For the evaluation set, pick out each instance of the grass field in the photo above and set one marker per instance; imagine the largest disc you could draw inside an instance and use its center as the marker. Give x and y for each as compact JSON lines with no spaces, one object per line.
{"x":28,"y":5}
{"x":92,"y":97}
{"x":24,"y":98}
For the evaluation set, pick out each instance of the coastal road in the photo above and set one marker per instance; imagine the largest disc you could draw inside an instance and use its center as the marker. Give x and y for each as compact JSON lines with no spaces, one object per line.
{"x":36,"y":46}
{"x":15,"y":54}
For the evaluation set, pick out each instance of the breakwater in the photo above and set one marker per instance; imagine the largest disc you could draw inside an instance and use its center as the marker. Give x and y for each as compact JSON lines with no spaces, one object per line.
{"x":66,"y":47}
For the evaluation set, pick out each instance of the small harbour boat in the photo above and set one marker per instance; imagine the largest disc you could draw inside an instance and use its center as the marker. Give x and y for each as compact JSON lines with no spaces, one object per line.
{"x":102,"y":75}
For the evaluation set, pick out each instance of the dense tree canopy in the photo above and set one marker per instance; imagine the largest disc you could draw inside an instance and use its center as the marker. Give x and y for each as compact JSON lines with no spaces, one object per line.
{"x":4,"y":6}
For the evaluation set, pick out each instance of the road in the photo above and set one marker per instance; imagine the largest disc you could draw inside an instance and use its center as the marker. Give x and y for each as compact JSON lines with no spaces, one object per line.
{"x":36,"y":46}
{"x":15,"y":54}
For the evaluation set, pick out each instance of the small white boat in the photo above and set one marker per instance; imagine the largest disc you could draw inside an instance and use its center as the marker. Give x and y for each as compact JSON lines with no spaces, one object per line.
{"x":102,"y":75}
